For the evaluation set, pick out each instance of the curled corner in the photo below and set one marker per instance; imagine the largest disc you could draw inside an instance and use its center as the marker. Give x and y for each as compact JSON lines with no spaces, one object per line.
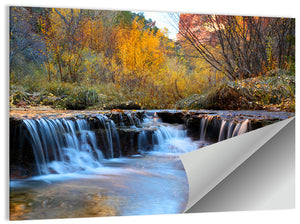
{"x":253,"y":171}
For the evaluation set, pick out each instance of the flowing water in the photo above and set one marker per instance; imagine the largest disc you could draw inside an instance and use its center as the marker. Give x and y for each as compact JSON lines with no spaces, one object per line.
{"x":127,"y":186}
{"x":76,"y":176}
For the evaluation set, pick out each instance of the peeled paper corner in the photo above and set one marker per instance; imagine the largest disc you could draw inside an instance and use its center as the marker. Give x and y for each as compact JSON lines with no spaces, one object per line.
{"x":253,"y":171}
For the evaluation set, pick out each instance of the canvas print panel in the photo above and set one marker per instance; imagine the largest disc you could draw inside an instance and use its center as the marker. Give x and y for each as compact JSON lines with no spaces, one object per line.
{"x":102,"y":103}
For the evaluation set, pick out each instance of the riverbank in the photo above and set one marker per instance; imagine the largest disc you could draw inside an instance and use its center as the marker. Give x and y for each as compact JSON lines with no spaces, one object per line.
{"x":271,"y":93}
{"x":49,"y":112}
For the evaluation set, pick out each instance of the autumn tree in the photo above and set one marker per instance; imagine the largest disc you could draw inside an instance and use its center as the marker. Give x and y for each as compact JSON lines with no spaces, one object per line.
{"x":140,"y":54}
{"x":65,"y":39}
{"x":248,"y":46}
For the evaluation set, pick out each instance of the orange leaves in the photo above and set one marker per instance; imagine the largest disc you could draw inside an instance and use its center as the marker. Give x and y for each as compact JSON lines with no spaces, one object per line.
{"x":139,"y":50}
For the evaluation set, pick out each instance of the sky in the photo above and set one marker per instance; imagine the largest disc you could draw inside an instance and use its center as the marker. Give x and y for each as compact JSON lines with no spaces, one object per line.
{"x":162,"y":21}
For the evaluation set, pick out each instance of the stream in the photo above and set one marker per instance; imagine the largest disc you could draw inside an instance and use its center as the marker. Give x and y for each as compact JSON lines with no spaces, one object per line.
{"x":100,"y":166}
{"x":145,"y":185}
{"x":151,"y":182}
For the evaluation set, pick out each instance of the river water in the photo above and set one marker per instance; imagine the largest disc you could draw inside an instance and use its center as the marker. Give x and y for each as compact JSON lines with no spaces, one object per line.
{"x":75,"y":179}
{"x":152,"y":182}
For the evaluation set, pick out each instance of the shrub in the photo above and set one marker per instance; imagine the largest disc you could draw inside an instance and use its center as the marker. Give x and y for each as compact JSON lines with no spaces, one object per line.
{"x":273,"y":92}
{"x":59,"y":88}
{"x":80,"y":98}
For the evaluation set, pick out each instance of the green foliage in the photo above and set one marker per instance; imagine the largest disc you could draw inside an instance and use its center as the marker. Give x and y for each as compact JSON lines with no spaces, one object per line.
{"x":59,"y":88}
{"x":124,"y":18}
{"x":80,"y":98}
{"x":31,"y":77}
{"x":17,"y":94}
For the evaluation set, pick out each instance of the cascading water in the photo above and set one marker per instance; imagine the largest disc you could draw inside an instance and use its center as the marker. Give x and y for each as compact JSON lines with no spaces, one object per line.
{"x":172,"y":139}
{"x":133,"y":120}
{"x":241,"y":128}
{"x":158,"y":137}
{"x":229,"y":129}
{"x":109,"y":136}
{"x":70,"y":145}
{"x":65,"y":145}
{"x":143,"y":142}
{"x":222,"y":131}
{"x":203,"y":127}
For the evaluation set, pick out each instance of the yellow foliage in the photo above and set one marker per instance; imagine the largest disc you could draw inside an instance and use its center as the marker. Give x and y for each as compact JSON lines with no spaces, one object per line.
{"x":139,"y":52}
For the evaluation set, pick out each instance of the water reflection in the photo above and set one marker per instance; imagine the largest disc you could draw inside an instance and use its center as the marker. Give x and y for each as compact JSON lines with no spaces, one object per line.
{"x":149,"y":185}
{"x":61,"y":201}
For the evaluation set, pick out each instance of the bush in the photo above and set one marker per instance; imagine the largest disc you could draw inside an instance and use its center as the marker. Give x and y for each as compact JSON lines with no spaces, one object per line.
{"x":59,"y":88}
{"x":81,"y":98}
{"x":273,"y":92}
{"x":17,"y":94}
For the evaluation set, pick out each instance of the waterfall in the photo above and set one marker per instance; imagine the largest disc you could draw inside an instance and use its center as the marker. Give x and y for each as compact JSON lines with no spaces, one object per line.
{"x":222,"y":130}
{"x":240,"y":128}
{"x":143,"y":142}
{"x":227,"y":128}
{"x":131,"y":121}
{"x":230,"y":129}
{"x":110,"y":136}
{"x":203,"y":126}
{"x":63,"y":145}
{"x":172,"y":139}
{"x":66,"y":145}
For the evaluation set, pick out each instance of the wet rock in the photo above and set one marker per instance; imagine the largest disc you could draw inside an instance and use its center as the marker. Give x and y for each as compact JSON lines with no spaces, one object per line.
{"x":192,"y":121}
{"x":193,"y":125}
{"x":19,"y":172}
{"x":129,"y":137}
{"x":20,"y":150}
{"x":259,"y":123}
{"x":172,"y":117}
